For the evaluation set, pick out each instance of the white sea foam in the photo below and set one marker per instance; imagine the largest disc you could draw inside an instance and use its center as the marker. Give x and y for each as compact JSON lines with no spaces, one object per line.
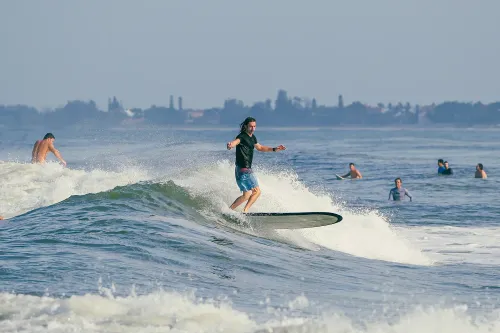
{"x":25,"y":187}
{"x":157,"y":312}
{"x":172,"y":312}
{"x":449,"y":244}
{"x":363,"y":234}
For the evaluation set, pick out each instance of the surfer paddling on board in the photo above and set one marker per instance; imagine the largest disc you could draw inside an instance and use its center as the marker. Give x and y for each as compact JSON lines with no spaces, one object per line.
{"x":42,"y":147}
{"x":353,"y":172}
{"x":245,"y":143}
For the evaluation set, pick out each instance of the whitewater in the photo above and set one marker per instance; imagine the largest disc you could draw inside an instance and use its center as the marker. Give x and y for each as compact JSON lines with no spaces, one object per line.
{"x":131,"y":236}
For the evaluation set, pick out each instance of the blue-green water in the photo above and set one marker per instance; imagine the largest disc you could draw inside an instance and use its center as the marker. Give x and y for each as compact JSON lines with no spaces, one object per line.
{"x":131,"y":237}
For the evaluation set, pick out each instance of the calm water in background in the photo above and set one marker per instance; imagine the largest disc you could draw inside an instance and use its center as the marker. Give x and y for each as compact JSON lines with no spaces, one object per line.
{"x":130,"y":237}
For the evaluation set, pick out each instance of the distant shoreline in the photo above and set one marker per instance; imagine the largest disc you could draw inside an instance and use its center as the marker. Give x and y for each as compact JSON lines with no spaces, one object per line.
{"x":201,"y":127}
{"x":284,"y":112}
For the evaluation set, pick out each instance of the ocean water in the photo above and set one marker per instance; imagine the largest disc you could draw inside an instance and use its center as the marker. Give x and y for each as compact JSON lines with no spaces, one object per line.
{"x":130,"y":237}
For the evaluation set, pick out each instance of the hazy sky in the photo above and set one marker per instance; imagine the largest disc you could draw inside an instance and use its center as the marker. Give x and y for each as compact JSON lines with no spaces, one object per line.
{"x":420,"y":51}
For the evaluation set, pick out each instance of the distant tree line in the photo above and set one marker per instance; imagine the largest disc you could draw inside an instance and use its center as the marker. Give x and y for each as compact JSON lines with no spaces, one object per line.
{"x":284,"y":111}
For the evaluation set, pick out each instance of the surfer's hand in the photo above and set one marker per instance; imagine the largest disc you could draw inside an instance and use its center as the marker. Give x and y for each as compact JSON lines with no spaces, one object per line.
{"x":229,"y":146}
{"x":63,"y":162}
{"x":280,"y":147}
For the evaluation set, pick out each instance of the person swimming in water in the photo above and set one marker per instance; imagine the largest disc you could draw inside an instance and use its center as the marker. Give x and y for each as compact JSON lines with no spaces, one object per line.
{"x":441,"y":167}
{"x":42,"y":147}
{"x":480,"y":173}
{"x":447,"y":170}
{"x":353,"y":172}
{"x":398,"y":193}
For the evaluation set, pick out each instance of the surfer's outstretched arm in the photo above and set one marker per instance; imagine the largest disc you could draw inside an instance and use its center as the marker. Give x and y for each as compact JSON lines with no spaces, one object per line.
{"x":262,"y":148}
{"x":232,"y":144}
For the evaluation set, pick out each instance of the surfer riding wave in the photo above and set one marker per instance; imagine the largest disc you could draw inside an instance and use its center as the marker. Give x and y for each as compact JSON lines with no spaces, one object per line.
{"x":245,"y":142}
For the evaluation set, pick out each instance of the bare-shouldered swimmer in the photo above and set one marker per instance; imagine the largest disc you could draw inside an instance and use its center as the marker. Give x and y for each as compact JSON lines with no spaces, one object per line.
{"x":353,"y":172}
{"x":480,"y":173}
{"x":42,"y":147}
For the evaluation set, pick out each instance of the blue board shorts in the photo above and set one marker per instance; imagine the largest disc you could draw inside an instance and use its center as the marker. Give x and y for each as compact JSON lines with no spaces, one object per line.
{"x":245,"y":179}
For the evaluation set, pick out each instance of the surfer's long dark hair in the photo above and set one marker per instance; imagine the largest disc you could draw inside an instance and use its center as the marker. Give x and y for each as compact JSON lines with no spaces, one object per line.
{"x":243,"y":125}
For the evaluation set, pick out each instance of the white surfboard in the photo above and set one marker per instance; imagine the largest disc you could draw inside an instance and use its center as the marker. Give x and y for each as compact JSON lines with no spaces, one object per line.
{"x":339,"y":177}
{"x":299,"y":220}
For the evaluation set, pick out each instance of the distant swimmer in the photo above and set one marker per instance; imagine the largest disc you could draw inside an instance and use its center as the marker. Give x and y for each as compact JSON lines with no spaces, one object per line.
{"x":353,"y":172}
{"x":447,"y":169}
{"x":480,"y":173}
{"x":42,"y":147}
{"x":398,"y":193}
{"x":245,"y":143}
{"x":441,"y":167}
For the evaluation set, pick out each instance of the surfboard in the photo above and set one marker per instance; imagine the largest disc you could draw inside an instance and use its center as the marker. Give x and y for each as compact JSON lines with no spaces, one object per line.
{"x":339,"y":177}
{"x":300,"y":220}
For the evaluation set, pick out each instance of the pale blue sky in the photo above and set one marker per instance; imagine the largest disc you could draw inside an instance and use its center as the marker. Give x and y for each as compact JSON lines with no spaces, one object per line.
{"x":208,"y":50}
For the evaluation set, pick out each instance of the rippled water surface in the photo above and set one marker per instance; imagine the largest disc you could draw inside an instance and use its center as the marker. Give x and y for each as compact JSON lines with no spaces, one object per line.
{"x":131,"y":236}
